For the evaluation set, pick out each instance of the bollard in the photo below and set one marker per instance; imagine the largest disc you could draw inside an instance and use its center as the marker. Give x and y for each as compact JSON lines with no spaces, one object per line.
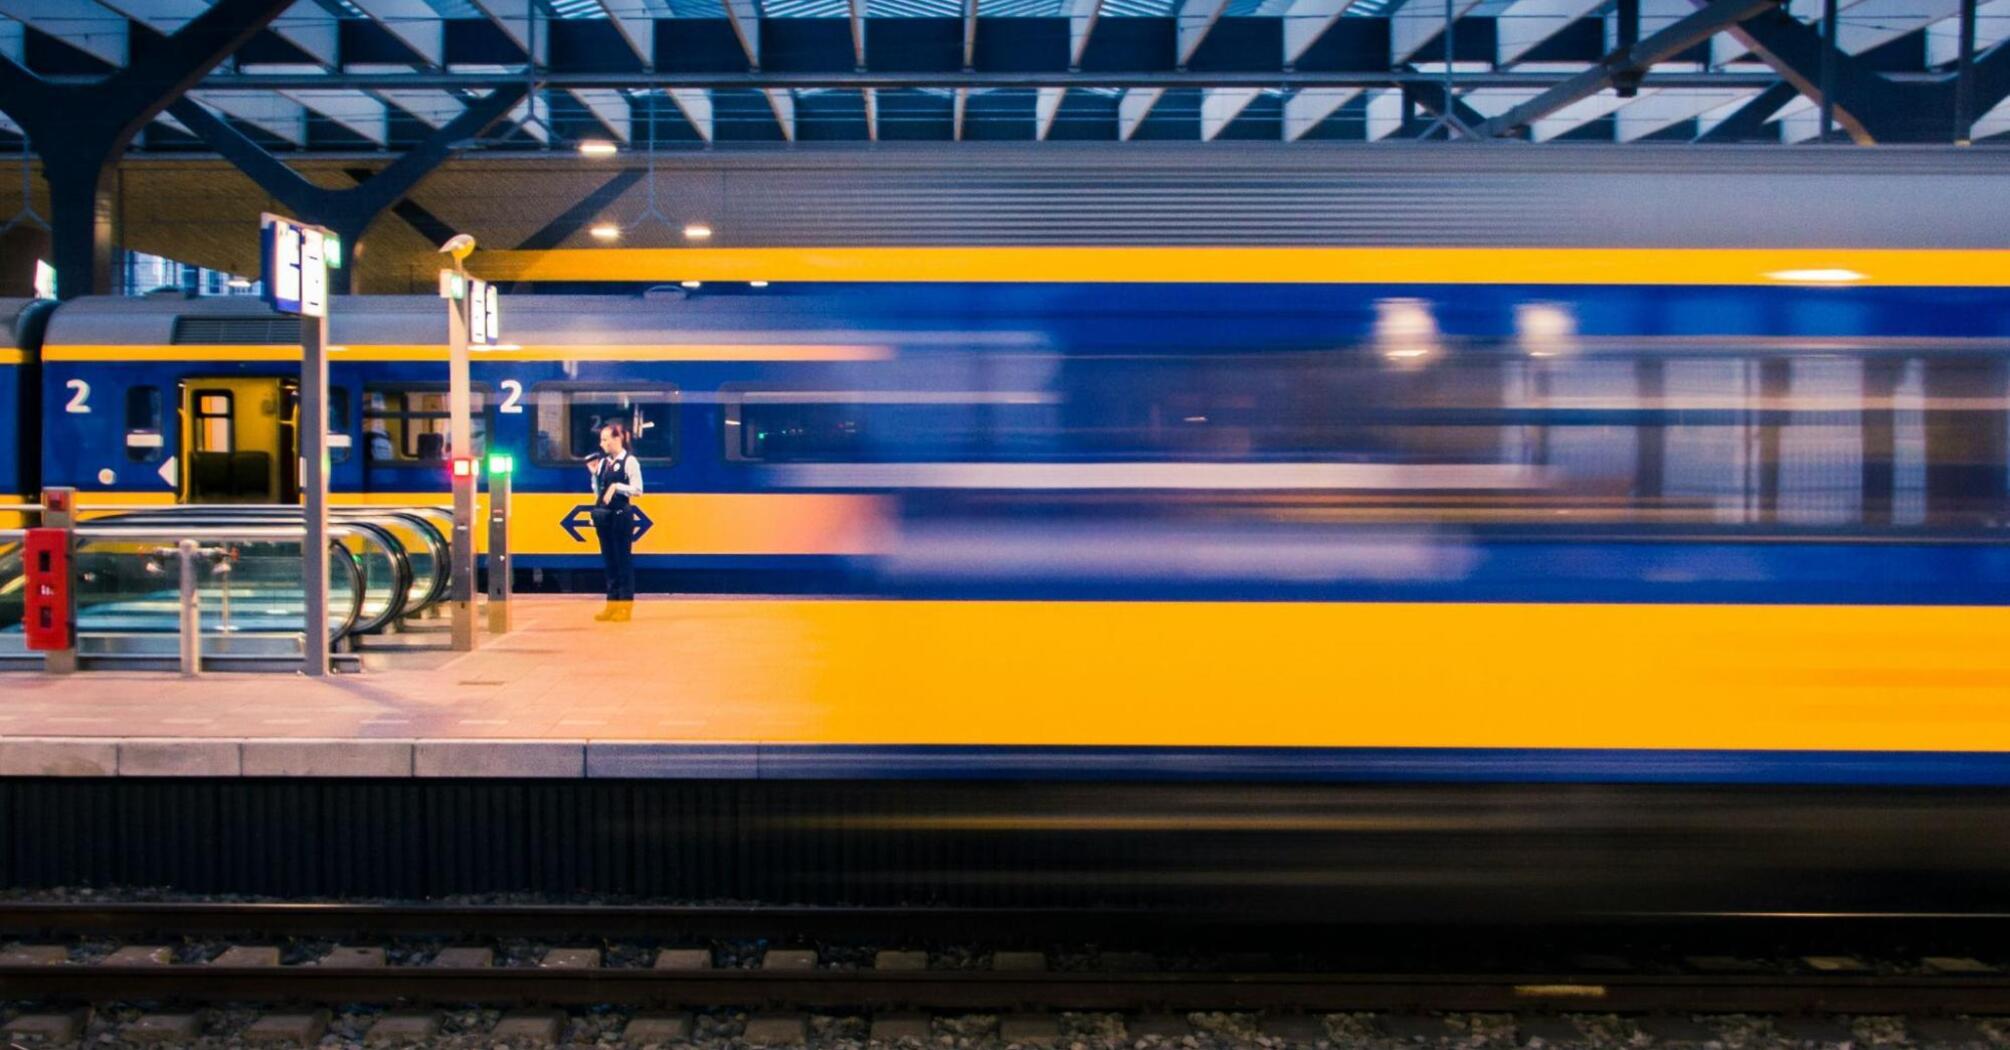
{"x":191,"y":613}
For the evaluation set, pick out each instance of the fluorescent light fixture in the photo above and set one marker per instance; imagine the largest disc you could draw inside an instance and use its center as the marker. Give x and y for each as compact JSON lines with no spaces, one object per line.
{"x":697,"y":231}
{"x":239,"y":282}
{"x":596,"y":148}
{"x":604,"y":231}
{"x":1818,"y":276}
{"x":757,"y":284}
{"x":692,"y":284}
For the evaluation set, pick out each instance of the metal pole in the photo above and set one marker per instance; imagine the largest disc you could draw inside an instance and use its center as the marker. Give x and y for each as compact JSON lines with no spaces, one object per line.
{"x":313,"y":439}
{"x":461,"y":437}
{"x":500,"y":584}
{"x":1451,"y":44}
{"x":1964,"y":79}
{"x":1828,"y":72}
{"x":191,"y":613}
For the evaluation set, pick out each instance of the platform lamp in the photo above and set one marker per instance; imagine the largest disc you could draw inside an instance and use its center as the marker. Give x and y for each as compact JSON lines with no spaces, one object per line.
{"x":461,"y":294}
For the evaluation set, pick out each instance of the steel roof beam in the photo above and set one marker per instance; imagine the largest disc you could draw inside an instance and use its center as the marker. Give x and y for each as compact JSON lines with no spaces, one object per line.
{"x":783,"y":102}
{"x":1133,"y":108}
{"x":1160,"y":80}
{"x":83,"y":24}
{"x":80,"y":129}
{"x":1045,"y":108}
{"x":13,"y":41}
{"x":1794,"y":51}
{"x":637,"y":25}
{"x":1746,"y":120}
{"x":349,"y":212}
{"x":1220,"y":106}
{"x":1305,"y":21}
{"x":517,"y":19}
{"x":520,"y":115}
{"x":610,"y":108}
{"x":1417,"y":23}
{"x":696,"y":105}
{"x":871,"y":114}
{"x":1656,"y":111}
{"x":359,"y":112}
{"x":1524,"y":24}
{"x":745,"y":18}
{"x":1196,"y":19}
{"x":856,"y":11}
{"x":1082,"y":16}
{"x":969,"y":34}
{"x":413,"y":22}
{"x":1308,"y":109}
{"x":1627,"y":65}
{"x":958,"y":109}
{"x":433,"y":108}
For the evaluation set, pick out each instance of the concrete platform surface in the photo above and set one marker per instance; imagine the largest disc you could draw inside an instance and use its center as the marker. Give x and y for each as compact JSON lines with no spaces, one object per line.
{"x":742,"y":688}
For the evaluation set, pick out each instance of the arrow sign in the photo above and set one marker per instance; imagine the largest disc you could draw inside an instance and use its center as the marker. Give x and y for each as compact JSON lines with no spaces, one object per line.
{"x":581,"y":517}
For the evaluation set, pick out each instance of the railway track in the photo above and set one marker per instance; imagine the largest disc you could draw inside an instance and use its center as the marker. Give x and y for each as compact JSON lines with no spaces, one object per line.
{"x":125,"y":953}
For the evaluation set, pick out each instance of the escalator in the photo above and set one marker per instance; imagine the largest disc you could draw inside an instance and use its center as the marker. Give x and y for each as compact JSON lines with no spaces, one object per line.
{"x":386,"y":566}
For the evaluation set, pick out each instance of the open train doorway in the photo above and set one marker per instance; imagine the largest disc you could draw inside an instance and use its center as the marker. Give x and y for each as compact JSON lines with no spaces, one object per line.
{"x":242,"y":440}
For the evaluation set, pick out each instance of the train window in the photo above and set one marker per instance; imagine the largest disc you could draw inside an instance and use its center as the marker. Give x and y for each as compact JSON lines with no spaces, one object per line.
{"x":145,"y":442}
{"x":338,"y":424}
{"x":214,"y":427}
{"x":855,"y":426}
{"x":569,"y":418}
{"x":409,"y":424}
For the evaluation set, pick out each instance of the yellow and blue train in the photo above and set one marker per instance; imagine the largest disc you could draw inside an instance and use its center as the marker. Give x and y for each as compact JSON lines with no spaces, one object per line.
{"x":1793,"y":467}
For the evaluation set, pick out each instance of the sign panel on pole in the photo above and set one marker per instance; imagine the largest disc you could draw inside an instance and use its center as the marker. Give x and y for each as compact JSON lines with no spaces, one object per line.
{"x":293,"y":266}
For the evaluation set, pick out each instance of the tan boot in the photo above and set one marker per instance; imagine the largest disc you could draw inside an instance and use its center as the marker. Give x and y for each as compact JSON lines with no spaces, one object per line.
{"x":623,"y":611}
{"x":607,"y":613}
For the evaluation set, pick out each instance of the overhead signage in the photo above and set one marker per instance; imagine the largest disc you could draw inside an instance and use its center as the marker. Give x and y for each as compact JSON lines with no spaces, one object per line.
{"x":294,"y":266}
{"x":484,"y":306}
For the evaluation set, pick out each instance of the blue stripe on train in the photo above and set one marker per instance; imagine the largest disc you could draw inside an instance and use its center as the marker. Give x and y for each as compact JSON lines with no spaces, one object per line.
{"x":1489,"y":570}
{"x":1302,"y":765}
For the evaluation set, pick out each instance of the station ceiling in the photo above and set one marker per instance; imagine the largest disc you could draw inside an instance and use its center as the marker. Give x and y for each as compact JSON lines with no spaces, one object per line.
{"x":357,"y":77}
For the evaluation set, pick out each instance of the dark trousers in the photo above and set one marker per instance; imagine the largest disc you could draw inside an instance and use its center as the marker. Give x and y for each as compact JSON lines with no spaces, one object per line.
{"x":616,"y":529}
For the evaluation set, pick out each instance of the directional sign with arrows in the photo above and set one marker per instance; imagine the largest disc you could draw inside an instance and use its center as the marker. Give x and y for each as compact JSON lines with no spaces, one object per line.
{"x":581,"y":517}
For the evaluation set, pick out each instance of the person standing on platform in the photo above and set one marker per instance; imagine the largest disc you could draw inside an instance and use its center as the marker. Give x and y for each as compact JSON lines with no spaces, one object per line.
{"x":617,"y":480}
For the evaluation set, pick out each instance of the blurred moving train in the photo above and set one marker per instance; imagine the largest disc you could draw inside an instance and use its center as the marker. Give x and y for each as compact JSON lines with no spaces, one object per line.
{"x":1652,"y":553}
{"x":1613,"y":439}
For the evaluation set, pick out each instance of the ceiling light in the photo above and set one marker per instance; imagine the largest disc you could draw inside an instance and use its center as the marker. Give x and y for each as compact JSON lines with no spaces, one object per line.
{"x":697,"y":231}
{"x":692,"y":284}
{"x":1828,"y":276}
{"x":757,"y":284}
{"x":605,"y":231}
{"x":596,"y":148}
{"x":239,"y":282}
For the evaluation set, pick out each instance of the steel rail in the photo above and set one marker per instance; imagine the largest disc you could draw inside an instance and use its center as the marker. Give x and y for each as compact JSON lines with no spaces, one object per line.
{"x":1001,"y":991}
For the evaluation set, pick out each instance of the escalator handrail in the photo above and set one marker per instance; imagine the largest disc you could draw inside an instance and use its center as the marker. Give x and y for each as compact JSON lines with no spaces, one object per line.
{"x":401,"y":566}
{"x":420,"y":515}
{"x":339,"y":554}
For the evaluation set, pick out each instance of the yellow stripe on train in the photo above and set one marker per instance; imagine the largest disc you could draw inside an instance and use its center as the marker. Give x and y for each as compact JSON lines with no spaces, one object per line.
{"x":1267,"y":265}
{"x":688,"y":523}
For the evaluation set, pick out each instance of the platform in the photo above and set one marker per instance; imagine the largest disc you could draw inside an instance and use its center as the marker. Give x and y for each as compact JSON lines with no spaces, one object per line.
{"x":846,"y":689}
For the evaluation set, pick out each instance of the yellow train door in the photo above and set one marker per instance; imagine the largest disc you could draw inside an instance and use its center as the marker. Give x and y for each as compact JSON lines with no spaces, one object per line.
{"x":239,"y":440}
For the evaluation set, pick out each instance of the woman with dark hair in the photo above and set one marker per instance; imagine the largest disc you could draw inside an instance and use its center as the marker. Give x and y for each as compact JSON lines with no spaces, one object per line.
{"x":617,"y":479}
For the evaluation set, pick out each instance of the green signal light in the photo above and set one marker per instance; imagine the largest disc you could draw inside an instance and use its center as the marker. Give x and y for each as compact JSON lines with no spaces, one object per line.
{"x":501,"y":463}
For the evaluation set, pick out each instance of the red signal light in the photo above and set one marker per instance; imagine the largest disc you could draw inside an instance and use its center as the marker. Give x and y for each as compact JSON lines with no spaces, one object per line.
{"x":464,"y":466}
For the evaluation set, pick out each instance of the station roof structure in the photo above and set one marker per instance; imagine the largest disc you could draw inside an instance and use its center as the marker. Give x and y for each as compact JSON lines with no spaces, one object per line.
{"x":364,"y":76}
